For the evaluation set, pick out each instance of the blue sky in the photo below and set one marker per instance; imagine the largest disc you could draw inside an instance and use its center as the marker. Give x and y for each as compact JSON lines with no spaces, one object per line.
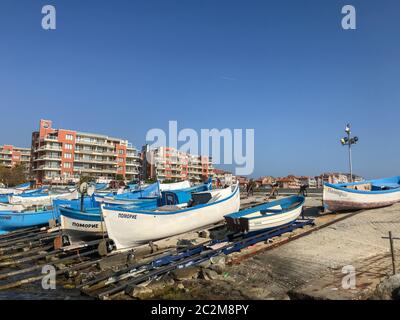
{"x":285,"y":68}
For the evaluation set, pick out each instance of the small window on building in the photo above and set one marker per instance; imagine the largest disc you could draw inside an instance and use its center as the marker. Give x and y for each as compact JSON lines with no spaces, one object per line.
{"x":69,"y":137}
{"x":68,"y":146}
{"x":68,"y":155}
{"x":67,"y":165}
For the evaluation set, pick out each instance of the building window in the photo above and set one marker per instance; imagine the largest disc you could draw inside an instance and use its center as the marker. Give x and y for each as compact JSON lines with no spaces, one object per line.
{"x":69,"y":137}
{"x":67,"y":165}
{"x":68,"y":146}
{"x":121,"y":151}
{"x":68,"y":155}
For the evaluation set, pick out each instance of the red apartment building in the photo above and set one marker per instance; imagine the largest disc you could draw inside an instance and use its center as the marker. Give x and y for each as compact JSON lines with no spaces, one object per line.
{"x":63,"y":155}
{"x":11,"y":156}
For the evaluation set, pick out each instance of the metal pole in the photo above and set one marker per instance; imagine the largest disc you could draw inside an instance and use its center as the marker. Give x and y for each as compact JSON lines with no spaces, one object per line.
{"x":82,"y":197}
{"x":350,"y":161}
{"x":392,"y":252}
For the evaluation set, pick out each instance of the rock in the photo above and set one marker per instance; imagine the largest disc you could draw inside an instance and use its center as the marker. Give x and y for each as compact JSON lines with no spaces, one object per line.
{"x":69,"y":286}
{"x":180,"y":286}
{"x":205,"y":264}
{"x":139,"y":292}
{"x":71,"y":274}
{"x":218,"y":264}
{"x":388,"y":289}
{"x":204,"y":234}
{"x":208,"y":274}
{"x":61,"y":266}
{"x":186,"y":273}
{"x":161,"y":284}
{"x":218,"y":259}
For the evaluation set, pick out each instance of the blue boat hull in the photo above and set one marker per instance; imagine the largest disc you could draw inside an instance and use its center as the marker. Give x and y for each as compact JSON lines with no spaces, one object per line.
{"x":10,"y":221}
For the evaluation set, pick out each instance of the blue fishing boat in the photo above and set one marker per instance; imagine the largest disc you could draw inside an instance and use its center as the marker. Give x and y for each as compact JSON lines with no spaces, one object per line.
{"x":23,"y":186}
{"x":367,"y":194}
{"x":88,"y":224}
{"x":101,"y":186}
{"x":10,"y":220}
{"x":4,"y":197}
{"x":125,"y":198}
{"x":268,"y":215}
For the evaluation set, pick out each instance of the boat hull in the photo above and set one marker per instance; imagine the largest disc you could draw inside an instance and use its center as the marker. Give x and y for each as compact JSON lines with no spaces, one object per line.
{"x":266,"y":216}
{"x":42,"y":200}
{"x":271,"y":222}
{"x":336,"y":200}
{"x":85,"y":226}
{"x":129,"y":229}
{"x":10,"y":221}
{"x":79,"y":230}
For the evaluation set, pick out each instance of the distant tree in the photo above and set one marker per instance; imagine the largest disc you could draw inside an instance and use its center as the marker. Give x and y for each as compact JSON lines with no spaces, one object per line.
{"x":119,"y":177}
{"x":13,"y":176}
{"x":86,"y":179}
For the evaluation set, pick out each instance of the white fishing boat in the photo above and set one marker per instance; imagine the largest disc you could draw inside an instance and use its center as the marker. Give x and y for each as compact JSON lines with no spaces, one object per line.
{"x":16,"y":190}
{"x":266,"y":216}
{"x":131,"y":227}
{"x":42,"y":198}
{"x":361,"y":195}
{"x":11,"y":207}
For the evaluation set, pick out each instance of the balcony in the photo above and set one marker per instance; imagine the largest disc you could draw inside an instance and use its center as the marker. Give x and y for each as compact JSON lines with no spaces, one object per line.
{"x":50,"y":148}
{"x":47,"y":168}
{"x":46,"y":157}
{"x":95,"y":170}
{"x":94,"y":143}
{"x":49,"y":138}
{"x":95,"y":152}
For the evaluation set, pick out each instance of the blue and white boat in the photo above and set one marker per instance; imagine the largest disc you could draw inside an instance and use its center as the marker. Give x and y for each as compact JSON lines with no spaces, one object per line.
{"x":42,"y":197}
{"x":101,"y":186}
{"x":266,"y":216}
{"x":87,"y":224}
{"x":12,"y":220}
{"x":153,"y":190}
{"x":16,"y":190}
{"x":130,"y":227}
{"x":366,"y":194}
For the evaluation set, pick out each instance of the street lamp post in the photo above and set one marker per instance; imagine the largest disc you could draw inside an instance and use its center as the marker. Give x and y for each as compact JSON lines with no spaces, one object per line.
{"x":348,"y":141}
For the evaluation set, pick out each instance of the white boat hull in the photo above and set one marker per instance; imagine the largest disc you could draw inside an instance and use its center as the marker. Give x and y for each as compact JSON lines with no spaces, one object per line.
{"x":11,"y":207}
{"x":45,"y":200}
{"x":339,"y":200}
{"x":273,"y":221}
{"x":80,"y":230}
{"x":129,"y":229}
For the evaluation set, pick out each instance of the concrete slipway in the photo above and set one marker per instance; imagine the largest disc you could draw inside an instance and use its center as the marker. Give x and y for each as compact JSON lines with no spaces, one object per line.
{"x":311,"y":266}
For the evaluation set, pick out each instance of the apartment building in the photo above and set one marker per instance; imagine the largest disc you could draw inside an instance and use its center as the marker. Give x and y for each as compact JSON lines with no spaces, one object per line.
{"x":311,"y":182}
{"x":61,"y":155}
{"x":224,"y":177}
{"x":165,"y":163}
{"x":11,"y":156}
{"x":289,"y":182}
